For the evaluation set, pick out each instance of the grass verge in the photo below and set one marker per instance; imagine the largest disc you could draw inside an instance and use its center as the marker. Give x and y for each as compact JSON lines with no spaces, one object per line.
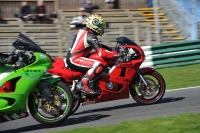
{"x":181,"y":77}
{"x":185,"y":123}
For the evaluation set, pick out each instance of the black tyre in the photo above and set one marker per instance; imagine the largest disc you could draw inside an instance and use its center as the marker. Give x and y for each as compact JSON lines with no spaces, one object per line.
{"x":77,"y":104}
{"x":47,"y":114}
{"x":142,"y":95}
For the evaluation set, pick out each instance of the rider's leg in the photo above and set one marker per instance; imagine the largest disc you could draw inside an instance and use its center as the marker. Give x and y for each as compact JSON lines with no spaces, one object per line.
{"x":91,"y":74}
{"x":92,"y":68}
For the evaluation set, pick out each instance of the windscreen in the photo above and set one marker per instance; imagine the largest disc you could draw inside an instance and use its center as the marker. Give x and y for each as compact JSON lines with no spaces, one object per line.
{"x":24,"y":43}
{"x":125,"y":41}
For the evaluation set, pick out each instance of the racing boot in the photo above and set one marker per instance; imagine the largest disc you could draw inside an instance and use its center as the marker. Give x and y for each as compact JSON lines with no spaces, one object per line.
{"x":91,"y":74}
{"x":83,"y":86}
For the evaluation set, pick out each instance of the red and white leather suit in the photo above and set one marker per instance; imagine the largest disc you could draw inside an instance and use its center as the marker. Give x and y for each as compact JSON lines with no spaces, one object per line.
{"x":83,"y":43}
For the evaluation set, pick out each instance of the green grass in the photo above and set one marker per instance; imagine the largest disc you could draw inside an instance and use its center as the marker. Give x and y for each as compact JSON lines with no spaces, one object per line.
{"x":185,"y":123}
{"x":181,"y":77}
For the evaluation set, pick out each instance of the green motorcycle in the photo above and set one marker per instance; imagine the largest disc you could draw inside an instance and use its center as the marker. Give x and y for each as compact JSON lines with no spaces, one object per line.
{"x":25,"y":86}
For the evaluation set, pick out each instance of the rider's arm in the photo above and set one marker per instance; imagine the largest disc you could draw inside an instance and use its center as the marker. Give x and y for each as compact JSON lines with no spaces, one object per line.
{"x":93,"y":41}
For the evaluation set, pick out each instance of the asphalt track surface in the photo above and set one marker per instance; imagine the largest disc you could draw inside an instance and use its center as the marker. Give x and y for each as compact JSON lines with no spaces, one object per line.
{"x":174,"y":102}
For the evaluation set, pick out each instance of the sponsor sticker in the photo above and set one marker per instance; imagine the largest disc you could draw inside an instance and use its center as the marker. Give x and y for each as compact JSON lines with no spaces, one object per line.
{"x":7,"y":118}
{"x":43,"y":56}
{"x":15,"y":116}
{"x":22,"y":115}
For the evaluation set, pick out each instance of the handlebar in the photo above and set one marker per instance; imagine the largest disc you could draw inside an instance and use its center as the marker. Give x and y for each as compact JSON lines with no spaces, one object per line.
{"x":126,"y":53}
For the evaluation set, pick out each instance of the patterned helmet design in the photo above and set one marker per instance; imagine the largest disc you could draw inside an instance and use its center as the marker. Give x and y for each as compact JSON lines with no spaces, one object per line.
{"x":96,"y":23}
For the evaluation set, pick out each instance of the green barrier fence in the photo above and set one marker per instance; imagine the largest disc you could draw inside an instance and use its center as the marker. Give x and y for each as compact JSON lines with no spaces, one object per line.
{"x":176,"y":54}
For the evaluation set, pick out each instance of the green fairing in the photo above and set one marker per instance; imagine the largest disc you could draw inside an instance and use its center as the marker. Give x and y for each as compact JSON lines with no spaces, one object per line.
{"x":29,"y":76}
{"x":3,"y":68}
{"x":50,"y":80}
{"x":25,"y":83}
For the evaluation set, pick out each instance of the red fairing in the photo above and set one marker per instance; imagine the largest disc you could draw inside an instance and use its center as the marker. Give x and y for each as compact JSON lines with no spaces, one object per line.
{"x":121,"y":80}
{"x":7,"y":87}
{"x":146,"y":69}
{"x":62,"y":71}
{"x":106,"y":54}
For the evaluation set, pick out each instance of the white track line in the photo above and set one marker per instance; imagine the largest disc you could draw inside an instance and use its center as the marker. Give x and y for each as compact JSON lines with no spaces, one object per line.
{"x":183,"y":88}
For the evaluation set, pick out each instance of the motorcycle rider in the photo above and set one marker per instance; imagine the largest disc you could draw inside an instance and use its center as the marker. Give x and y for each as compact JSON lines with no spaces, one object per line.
{"x":84,"y":41}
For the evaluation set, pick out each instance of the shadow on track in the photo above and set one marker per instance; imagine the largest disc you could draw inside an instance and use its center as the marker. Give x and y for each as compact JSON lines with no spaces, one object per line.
{"x":164,"y":100}
{"x":88,"y":118}
{"x":170,"y":99}
{"x":69,"y":121}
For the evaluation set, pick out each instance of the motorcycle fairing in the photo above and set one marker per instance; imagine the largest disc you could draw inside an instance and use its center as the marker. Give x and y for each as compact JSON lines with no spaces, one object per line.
{"x":146,"y":69}
{"x":121,"y":77}
{"x":29,"y":77}
{"x":61,"y":70}
{"x":13,"y":102}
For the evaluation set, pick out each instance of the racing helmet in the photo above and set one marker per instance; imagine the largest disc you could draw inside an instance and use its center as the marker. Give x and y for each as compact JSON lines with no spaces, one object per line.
{"x":96,"y":23}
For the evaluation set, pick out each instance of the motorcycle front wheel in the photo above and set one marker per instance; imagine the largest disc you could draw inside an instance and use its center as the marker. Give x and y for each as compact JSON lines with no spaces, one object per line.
{"x":47,"y":114}
{"x":143,"y":95}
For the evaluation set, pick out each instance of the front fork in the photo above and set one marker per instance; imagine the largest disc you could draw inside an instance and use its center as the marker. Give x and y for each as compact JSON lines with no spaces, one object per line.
{"x":144,"y":81}
{"x":45,"y":86}
{"x":45,"y":89}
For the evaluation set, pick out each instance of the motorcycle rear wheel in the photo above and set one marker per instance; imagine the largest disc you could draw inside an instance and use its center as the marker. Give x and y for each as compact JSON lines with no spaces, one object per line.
{"x":43,"y":112}
{"x":142,"y":95}
{"x":77,"y":104}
